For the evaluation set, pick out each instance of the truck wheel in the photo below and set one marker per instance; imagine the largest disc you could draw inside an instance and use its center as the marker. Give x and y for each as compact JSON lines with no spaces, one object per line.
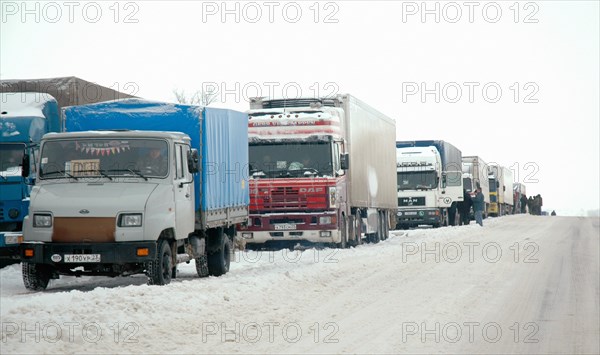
{"x":344,"y":228}
{"x":218,"y":261}
{"x":358,"y":228}
{"x":386,"y":225}
{"x":202,"y":266}
{"x":159,"y":271}
{"x":36,"y":276}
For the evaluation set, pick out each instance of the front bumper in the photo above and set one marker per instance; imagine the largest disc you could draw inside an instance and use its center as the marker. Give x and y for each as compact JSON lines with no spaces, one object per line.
{"x":312,"y":236}
{"x":419,"y":216}
{"x":110,"y":253}
{"x":317,"y":227}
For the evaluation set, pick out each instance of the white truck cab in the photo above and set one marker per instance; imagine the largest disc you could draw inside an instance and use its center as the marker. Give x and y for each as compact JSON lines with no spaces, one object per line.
{"x":103,"y":199}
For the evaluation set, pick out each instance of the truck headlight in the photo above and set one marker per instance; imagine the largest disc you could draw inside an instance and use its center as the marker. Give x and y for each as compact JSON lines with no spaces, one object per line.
{"x":13,"y":239}
{"x":325,"y":220}
{"x":42,"y":220}
{"x":247,"y":235}
{"x":130,"y":220}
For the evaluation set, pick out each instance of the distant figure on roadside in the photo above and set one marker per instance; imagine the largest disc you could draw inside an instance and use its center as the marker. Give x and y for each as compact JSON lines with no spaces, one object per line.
{"x":524,"y":203}
{"x":478,"y":206}
{"x":540,"y":203}
{"x":553,"y":213}
{"x":530,"y":205}
{"x":464,"y":209}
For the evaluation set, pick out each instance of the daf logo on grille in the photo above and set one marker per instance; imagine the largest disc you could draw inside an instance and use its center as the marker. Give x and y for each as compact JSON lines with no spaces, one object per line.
{"x":84,"y":211}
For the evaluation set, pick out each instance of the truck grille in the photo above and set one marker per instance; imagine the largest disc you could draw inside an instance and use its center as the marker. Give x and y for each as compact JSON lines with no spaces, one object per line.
{"x":286,"y":197}
{"x":84,"y":230}
{"x":290,"y":199}
{"x":411,"y":201}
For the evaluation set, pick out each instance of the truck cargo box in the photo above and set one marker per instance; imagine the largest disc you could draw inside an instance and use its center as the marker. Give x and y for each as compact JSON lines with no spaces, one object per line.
{"x":219,"y":135}
{"x":371,"y":138}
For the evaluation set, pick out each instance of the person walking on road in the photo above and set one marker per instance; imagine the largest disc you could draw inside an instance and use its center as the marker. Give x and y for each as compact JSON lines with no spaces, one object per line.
{"x":478,"y":206}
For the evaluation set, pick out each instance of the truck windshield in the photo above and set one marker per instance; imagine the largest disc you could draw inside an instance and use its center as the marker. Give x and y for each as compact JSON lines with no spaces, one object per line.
{"x":417,"y":180}
{"x":11,"y":156}
{"x":290,"y":160}
{"x":492,"y":185}
{"x":105,"y":158}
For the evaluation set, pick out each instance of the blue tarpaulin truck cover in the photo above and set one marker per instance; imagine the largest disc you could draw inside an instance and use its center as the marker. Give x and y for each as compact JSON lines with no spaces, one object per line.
{"x":220,"y":135}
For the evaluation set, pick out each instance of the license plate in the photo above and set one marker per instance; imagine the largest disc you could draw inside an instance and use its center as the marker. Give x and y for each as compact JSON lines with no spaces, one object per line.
{"x":82,"y":258}
{"x":285,"y":226}
{"x":410,"y":213}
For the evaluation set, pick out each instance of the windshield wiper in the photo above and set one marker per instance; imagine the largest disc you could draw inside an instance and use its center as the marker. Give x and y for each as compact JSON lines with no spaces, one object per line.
{"x":134,"y":172}
{"x":58,"y":177}
{"x":101,"y":172}
{"x":311,"y":172}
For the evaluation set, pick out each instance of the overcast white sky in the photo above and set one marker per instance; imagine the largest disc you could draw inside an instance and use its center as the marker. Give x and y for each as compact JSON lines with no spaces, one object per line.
{"x":383,"y":52}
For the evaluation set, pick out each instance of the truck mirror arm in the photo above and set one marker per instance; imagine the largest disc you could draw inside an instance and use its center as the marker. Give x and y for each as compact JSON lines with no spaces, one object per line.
{"x":186,"y":182}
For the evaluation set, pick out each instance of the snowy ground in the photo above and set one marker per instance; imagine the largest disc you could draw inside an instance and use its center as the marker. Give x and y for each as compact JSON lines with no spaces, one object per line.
{"x":521,"y":284}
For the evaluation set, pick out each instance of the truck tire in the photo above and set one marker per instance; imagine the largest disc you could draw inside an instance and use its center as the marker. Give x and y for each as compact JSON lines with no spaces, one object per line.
{"x":36,"y":276}
{"x":344,"y":229}
{"x":386,"y":225}
{"x":358,"y":227}
{"x":218,"y":261}
{"x":159,"y":271}
{"x":202,"y":266}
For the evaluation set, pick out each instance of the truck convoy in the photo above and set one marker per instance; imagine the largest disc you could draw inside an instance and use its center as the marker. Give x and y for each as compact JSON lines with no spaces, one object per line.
{"x":136,"y":186}
{"x":475,"y":174}
{"x":322,"y":171}
{"x":501,"y":191}
{"x":24,"y":119}
{"x":430,"y":184}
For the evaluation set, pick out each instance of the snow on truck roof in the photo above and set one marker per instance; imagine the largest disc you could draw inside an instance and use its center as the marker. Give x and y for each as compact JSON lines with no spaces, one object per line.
{"x":119,"y":133}
{"x":24,"y":104}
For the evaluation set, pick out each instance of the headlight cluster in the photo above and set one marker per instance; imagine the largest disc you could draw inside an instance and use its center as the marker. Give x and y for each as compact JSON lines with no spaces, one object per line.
{"x":325,"y":220}
{"x":42,"y":220}
{"x":130,"y":220}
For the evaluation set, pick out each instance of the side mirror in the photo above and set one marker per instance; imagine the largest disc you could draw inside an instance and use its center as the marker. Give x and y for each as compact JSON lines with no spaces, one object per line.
{"x":444,"y":180}
{"x":193,"y":161}
{"x":25,"y":166}
{"x":344,"y":161}
{"x":497,"y":184}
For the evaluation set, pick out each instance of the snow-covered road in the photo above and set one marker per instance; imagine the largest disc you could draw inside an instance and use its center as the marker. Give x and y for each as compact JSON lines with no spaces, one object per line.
{"x":521,"y":284}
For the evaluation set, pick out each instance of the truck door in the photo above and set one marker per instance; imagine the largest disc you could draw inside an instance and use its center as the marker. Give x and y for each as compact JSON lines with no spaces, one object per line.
{"x":454,"y":185}
{"x":184,"y":193}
